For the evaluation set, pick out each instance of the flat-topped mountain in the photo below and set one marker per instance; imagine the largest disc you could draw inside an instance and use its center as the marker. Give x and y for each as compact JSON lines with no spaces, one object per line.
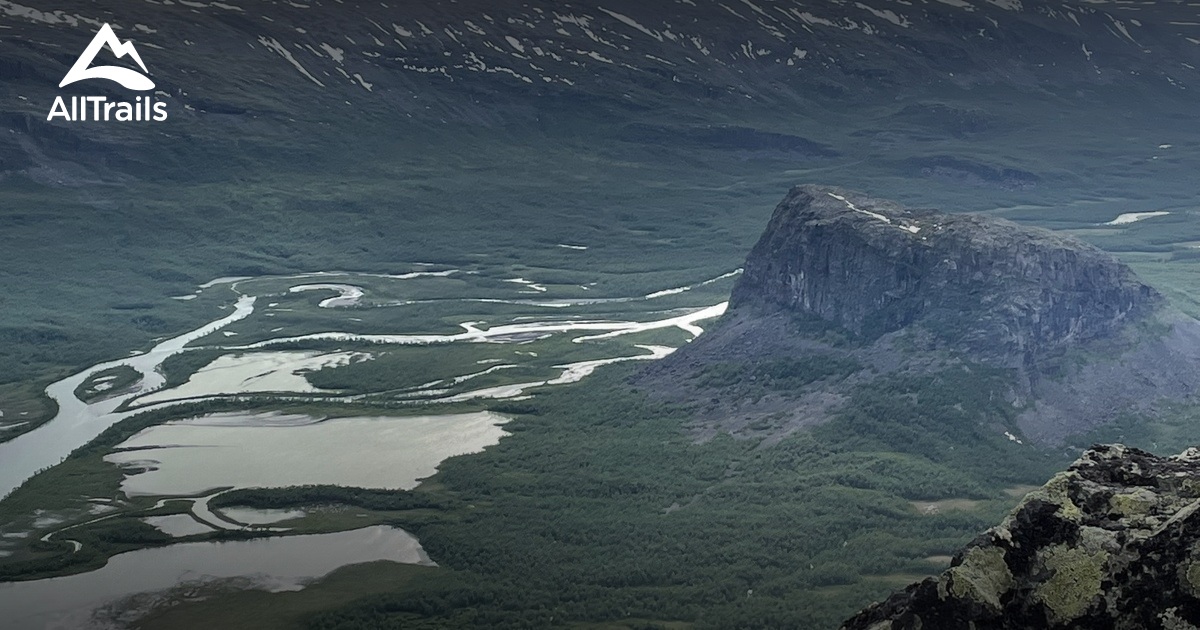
{"x":860,"y":289}
{"x":990,"y":286}
{"x":1110,"y":543}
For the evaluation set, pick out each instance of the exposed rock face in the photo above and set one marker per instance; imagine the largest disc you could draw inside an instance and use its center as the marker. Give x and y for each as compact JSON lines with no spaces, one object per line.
{"x":1113,"y":542}
{"x":1084,"y":340}
{"x":1002,"y":291}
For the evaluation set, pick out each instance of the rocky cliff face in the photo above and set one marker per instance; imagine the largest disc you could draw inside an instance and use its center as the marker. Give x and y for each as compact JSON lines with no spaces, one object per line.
{"x":1113,"y":542}
{"x":989,"y":286}
{"x":1082,"y":341}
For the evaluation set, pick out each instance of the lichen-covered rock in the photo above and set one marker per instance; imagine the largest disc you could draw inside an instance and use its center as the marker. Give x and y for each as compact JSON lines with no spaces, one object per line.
{"x":1005,"y":291}
{"x":1112,"y":543}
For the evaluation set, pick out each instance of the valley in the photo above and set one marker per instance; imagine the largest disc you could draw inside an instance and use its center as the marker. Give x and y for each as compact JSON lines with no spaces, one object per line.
{"x":428,"y":316}
{"x":171,"y":475}
{"x":292,"y":389}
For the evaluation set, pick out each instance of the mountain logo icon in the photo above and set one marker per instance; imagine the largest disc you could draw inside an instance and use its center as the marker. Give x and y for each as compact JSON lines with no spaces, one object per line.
{"x":129,"y":79}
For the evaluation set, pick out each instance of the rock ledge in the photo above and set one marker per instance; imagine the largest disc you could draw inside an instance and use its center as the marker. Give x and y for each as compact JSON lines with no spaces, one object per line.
{"x":1113,"y":542}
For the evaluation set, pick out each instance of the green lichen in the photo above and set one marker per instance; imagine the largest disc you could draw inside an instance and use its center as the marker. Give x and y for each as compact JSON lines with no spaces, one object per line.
{"x":1172,"y":621}
{"x":1139,"y":502}
{"x":1192,"y":575}
{"x":1189,"y":487}
{"x":1096,"y":538}
{"x":1055,"y":491}
{"x":982,"y":577}
{"x":1075,"y":583}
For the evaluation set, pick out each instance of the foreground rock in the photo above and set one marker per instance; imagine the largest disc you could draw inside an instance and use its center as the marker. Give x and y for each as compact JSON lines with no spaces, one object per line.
{"x":1113,"y":542}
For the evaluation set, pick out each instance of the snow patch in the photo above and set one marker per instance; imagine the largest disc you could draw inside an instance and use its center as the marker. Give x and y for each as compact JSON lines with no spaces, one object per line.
{"x":628,"y":21}
{"x":886,"y":14}
{"x":1008,"y":5}
{"x":1134,"y":217}
{"x":336,"y":54}
{"x":529,"y":283}
{"x":272,"y":44}
{"x":873,"y":215}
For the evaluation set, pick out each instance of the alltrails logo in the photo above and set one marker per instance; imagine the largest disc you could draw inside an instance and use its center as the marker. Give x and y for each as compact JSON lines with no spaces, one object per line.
{"x":82,"y":108}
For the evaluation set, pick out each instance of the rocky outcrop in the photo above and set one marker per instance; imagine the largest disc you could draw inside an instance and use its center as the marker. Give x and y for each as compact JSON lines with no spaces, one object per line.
{"x":1011,"y":293}
{"x":1112,"y":543}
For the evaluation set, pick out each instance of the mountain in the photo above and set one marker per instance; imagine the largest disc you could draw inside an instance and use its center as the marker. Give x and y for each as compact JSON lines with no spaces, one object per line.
{"x":269,"y":69}
{"x":1010,"y":293}
{"x":1078,"y":337}
{"x":1110,"y":543}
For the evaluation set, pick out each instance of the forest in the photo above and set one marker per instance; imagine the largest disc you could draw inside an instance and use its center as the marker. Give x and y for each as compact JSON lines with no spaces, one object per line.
{"x":601,"y":510}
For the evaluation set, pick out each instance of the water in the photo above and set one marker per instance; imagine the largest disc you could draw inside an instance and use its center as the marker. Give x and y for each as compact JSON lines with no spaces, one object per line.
{"x":262,"y":451}
{"x":78,"y":422}
{"x":177,"y":525}
{"x":246,"y":450}
{"x":275,"y":564}
{"x":260,"y":372}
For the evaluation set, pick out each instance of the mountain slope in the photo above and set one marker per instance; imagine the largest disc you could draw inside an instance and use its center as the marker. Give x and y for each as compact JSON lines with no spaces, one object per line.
{"x":222,"y":66}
